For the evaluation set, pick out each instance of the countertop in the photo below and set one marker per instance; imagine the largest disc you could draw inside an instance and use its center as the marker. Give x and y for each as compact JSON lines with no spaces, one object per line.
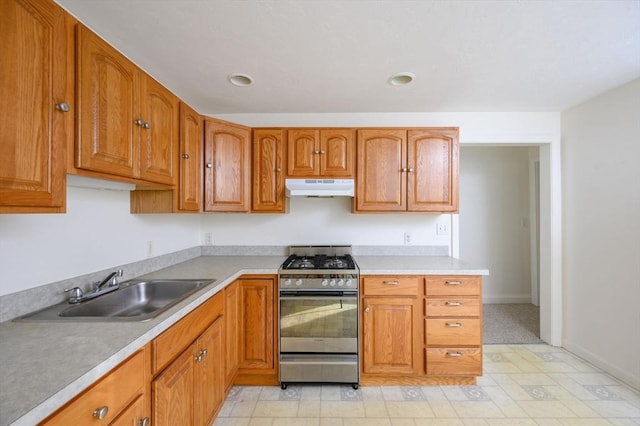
{"x":45,"y":364}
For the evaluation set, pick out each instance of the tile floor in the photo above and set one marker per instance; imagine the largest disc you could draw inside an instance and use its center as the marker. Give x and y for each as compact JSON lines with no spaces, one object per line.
{"x":522,"y":385}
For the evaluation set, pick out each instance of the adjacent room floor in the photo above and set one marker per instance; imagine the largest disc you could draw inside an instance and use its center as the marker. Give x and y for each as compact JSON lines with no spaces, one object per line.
{"x":522,"y":385}
{"x":510,"y":323}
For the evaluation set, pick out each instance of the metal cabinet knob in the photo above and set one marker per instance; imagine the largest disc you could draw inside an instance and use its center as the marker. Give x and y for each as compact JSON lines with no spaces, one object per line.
{"x":209,"y":165}
{"x":278,"y":170}
{"x":410,"y":170}
{"x":404,"y":169}
{"x":198,"y":357}
{"x":366,"y":310}
{"x":317,"y":151}
{"x":204,"y":352}
{"x":146,"y":125}
{"x":101,"y":413}
{"x":185,"y":156}
{"x":144,"y":422}
{"x":322,"y":151}
{"x":63,"y":107}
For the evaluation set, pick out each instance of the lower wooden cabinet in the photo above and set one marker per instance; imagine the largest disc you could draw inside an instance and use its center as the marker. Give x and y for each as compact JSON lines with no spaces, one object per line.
{"x":121,"y":397}
{"x":232,"y":336}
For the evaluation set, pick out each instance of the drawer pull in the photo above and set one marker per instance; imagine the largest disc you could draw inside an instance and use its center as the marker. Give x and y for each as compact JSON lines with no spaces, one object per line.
{"x":101,"y":413}
{"x":448,"y":303}
{"x":198,"y":357}
{"x":144,"y":422}
{"x":390,"y":282}
{"x":453,"y":324}
{"x":454,"y":354}
{"x":453,"y":282}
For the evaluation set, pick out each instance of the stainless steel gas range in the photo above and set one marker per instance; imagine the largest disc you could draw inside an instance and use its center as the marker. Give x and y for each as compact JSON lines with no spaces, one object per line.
{"x":319,"y":314}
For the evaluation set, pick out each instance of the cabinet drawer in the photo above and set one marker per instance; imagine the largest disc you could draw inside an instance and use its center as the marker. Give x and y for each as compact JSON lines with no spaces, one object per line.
{"x":115,"y":391}
{"x":176,"y":339}
{"x":454,"y":361}
{"x":453,"y":332}
{"x":391,"y":286}
{"x":453,"y":286}
{"x":452,"y":307}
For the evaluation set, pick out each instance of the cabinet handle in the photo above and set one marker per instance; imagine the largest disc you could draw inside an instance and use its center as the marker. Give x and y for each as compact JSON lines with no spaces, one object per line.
{"x":366,"y":310}
{"x":454,"y":354}
{"x":453,"y":282}
{"x":198,"y":357}
{"x":278,"y":170}
{"x":453,"y":324}
{"x":390,"y":282}
{"x":63,"y":107}
{"x":143,"y":422}
{"x":185,"y":156}
{"x":146,"y":125}
{"x":317,"y":151}
{"x":404,"y":169}
{"x":204,"y":352}
{"x":410,"y":170}
{"x":101,"y":413}
{"x":322,"y":151}
{"x":139,"y":122}
{"x":453,"y":303}
{"x":209,"y":165}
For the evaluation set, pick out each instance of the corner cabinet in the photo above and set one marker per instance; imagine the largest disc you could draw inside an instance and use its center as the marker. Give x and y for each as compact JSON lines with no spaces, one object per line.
{"x":414,"y":170}
{"x":268,"y":176}
{"x":190,"y":182}
{"x":320,"y":153}
{"x":227,"y":173}
{"x":36,"y":106}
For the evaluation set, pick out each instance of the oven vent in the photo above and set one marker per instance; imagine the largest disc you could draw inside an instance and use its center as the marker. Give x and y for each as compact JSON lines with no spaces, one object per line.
{"x":320,"y":187}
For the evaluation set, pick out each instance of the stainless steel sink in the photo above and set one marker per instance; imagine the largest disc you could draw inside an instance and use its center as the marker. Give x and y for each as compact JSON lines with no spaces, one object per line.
{"x":135,"y":300}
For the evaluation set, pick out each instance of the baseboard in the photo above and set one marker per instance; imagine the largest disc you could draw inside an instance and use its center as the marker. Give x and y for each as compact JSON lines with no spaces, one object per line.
{"x":624,"y":376}
{"x":523,"y":298}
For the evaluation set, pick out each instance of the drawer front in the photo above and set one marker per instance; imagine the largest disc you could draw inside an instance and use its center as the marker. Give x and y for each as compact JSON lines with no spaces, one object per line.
{"x":391,"y":286}
{"x":452,"y":307}
{"x":453,"y":285}
{"x":114,"y":391}
{"x":453,"y":332}
{"x":454,"y":361}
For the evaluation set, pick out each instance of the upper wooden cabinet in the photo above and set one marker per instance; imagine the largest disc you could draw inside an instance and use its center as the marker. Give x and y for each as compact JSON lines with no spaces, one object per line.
{"x":36,"y":106}
{"x":190,"y":183}
{"x":127,"y":122}
{"x":412,"y":170}
{"x":268,"y":178}
{"x":227,"y":167}
{"x":320,"y":152}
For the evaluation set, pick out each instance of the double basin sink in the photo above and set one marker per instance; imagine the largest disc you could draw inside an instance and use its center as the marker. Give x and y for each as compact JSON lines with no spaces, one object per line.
{"x":135,"y":300}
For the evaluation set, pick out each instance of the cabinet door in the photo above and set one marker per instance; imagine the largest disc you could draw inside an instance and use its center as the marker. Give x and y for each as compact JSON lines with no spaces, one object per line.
{"x":433,"y":170}
{"x":390,"y":337}
{"x":256,"y":324}
{"x":232,"y":336}
{"x":303,"y":153}
{"x":268,"y":179}
{"x":133,"y":415}
{"x":209,"y":375}
{"x":173,"y":391}
{"x":159,"y":134}
{"x":106,"y":89}
{"x":337,"y":152}
{"x":190,"y":184}
{"x":381,"y":181}
{"x":33,"y":79}
{"x":227,"y":171}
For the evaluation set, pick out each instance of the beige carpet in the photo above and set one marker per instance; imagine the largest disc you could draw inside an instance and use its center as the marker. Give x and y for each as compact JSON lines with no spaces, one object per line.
{"x":510,"y":323}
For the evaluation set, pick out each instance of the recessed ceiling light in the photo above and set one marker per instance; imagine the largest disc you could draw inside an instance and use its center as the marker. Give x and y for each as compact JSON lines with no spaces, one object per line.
{"x":240,"y":79}
{"x":402,"y":78}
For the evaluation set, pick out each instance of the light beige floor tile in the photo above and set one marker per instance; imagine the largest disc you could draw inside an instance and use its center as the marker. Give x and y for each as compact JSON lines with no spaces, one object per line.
{"x":614,"y":408}
{"x":243,"y":409}
{"x":371,"y":393}
{"x":439,"y":422}
{"x":475,"y":422}
{"x":626,"y":393}
{"x":486,"y":380}
{"x":572,"y":386}
{"x":331,"y":421}
{"x":375,"y":409}
{"x":276,"y":409}
{"x":556,"y":367}
{"x":496,"y":348}
{"x":342,"y":409}
{"x":402,"y":422}
{"x":511,"y":422}
{"x":330,"y":393}
{"x":261,"y":421}
{"x":232,"y":421}
{"x":538,"y":347}
{"x":477,"y":409}
{"x":507,"y":405}
{"x":548,"y":422}
{"x":226,"y":408}
{"x":270,"y":393}
{"x":573,"y":403}
{"x":309,"y":408}
{"x":593,"y":379}
{"x":625,"y":422}
{"x":443,"y":409}
{"x":501,"y":367}
{"x":503,"y":379}
{"x":434,"y":393}
{"x":296,"y":421}
{"x":539,"y":379}
{"x":546,"y":409}
{"x":585,"y":422}
{"x":527,"y":366}
{"x":357,"y":421}
{"x":249,"y":393}
{"x":391,"y":393}
{"x":516,"y":392}
{"x":310,"y":392}
{"x":415,"y":409}
{"x":454,"y":393}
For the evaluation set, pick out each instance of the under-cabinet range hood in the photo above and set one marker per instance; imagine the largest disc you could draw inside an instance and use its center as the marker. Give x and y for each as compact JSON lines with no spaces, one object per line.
{"x":319,"y":187}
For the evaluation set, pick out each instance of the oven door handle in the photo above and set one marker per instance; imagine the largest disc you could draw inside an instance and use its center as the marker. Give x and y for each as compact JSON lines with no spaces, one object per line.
{"x":315,"y":296}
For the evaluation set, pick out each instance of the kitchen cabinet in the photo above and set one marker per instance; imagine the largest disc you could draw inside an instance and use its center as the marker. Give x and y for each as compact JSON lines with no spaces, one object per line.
{"x":257,"y":330}
{"x":227,"y":170}
{"x":36,"y":106}
{"x":127,"y":122}
{"x":190,"y":182}
{"x":324,"y":153}
{"x":391,"y":336}
{"x":268,"y":179}
{"x":189,"y":385}
{"x":119,"y":398}
{"x":232,"y":335}
{"x":453,"y":325}
{"x":414,"y":170}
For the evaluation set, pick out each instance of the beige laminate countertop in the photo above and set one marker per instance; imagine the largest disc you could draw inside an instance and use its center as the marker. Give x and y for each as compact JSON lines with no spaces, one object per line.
{"x":45,"y":364}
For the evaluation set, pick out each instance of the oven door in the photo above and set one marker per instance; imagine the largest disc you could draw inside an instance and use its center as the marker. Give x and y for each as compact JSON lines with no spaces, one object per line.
{"x":318,"y":322}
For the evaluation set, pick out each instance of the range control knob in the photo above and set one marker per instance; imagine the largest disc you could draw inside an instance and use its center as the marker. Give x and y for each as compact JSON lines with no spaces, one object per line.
{"x":340,"y":282}
{"x":299,"y":282}
{"x":287,"y":282}
{"x":332,"y":283}
{"x":348,"y":282}
{"x":325,"y":282}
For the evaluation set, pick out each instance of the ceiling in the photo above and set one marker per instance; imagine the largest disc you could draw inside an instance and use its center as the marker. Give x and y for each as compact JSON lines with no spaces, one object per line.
{"x":336,"y":56}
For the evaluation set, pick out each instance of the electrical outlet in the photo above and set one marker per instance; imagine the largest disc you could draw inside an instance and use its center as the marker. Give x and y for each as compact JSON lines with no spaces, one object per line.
{"x":208,"y":238}
{"x":149,"y":248}
{"x":442,"y":229}
{"x":407,"y":238}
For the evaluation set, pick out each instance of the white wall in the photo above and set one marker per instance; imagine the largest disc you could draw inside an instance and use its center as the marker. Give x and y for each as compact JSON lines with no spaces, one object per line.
{"x":494,"y":219}
{"x":601,"y":230}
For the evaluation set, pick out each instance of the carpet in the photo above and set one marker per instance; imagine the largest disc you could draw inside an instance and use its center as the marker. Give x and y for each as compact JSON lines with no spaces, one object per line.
{"x":510,"y":323}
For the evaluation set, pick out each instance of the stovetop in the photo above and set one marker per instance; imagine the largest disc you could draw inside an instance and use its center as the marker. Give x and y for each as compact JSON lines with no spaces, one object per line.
{"x":319,"y":261}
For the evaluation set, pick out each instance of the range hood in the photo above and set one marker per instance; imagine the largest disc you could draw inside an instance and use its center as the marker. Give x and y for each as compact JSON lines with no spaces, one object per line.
{"x":319,"y":187}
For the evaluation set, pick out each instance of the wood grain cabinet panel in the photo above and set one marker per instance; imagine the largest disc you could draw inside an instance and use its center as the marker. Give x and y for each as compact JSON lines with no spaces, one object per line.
{"x":209,"y":374}
{"x":35,"y":77}
{"x":227,"y":176}
{"x":391,"y":285}
{"x":454,"y":361}
{"x":463,"y":285}
{"x":323,"y":153}
{"x":268,"y":178}
{"x":453,"y":332}
{"x":173,"y":391}
{"x":232,"y":334}
{"x":190,"y":182}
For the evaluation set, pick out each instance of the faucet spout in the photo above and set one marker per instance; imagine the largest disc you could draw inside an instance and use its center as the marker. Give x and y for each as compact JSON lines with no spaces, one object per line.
{"x":110,"y":279}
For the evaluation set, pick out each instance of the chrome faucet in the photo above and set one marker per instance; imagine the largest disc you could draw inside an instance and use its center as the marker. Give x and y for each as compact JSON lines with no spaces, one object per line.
{"x":111,"y":279}
{"x":76,"y":295}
